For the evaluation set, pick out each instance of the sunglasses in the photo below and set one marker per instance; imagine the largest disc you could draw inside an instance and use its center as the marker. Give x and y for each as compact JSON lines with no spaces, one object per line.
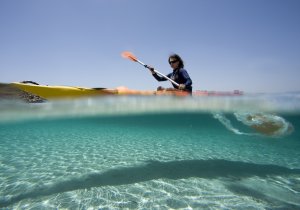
{"x":171,"y":62}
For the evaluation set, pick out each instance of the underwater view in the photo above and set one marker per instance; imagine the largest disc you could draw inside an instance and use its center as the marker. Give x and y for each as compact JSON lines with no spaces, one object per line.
{"x":151,"y":152}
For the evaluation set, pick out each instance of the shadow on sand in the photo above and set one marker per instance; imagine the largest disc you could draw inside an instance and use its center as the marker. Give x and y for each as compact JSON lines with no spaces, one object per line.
{"x":208,"y":169}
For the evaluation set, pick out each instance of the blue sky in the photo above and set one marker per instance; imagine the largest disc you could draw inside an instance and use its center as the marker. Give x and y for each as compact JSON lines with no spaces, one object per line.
{"x":250,"y":45}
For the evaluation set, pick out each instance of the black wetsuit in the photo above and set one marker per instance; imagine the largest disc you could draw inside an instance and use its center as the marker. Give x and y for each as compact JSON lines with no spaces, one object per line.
{"x":180,"y":76}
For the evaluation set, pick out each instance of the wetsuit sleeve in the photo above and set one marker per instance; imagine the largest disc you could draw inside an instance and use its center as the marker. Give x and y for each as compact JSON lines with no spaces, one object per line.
{"x":159,"y":78}
{"x":187,"y":78}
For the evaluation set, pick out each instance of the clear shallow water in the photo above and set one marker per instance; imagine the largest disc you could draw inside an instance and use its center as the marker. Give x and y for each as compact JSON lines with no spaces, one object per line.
{"x":149,"y":153}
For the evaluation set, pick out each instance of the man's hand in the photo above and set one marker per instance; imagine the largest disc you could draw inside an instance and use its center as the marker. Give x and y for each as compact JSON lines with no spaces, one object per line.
{"x":151,"y":69}
{"x":181,"y":87}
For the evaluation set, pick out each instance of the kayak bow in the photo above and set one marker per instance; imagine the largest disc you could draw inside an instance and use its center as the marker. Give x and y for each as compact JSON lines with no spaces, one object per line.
{"x":53,"y":92}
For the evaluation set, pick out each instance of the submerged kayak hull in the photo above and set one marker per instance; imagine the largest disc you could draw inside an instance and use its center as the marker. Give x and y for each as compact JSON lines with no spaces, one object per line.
{"x":65,"y":92}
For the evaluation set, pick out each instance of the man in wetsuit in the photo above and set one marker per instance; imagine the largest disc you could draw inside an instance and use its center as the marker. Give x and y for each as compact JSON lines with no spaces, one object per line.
{"x":179,"y":74}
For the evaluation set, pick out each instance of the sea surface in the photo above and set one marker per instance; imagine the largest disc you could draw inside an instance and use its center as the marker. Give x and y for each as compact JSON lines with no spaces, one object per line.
{"x":155,"y":152}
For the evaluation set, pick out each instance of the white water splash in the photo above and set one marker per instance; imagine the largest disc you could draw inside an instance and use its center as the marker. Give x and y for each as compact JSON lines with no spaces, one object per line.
{"x":263,"y":123}
{"x":227,"y":123}
{"x":269,"y":124}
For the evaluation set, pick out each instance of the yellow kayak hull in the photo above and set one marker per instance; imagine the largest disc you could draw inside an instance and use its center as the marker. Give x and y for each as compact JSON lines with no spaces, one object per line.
{"x":56,"y":92}
{"x":66,"y":92}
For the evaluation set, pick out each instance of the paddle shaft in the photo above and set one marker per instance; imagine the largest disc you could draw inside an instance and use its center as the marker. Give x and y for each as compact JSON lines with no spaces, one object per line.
{"x":157,"y":72}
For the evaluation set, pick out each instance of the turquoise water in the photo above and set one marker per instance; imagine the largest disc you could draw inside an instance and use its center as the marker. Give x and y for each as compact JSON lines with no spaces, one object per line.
{"x":151,"y":153}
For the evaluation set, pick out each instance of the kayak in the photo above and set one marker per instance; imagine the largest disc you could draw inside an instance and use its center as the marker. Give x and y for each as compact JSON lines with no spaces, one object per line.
{"x":52,"y":92}
{"x":64,"y":92}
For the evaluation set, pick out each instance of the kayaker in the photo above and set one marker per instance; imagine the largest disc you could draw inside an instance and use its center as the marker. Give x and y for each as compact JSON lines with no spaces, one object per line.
{"x":179,"y":74}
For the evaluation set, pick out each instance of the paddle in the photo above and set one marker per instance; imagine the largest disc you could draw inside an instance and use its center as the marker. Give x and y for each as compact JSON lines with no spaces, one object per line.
{"x":131,"y":57}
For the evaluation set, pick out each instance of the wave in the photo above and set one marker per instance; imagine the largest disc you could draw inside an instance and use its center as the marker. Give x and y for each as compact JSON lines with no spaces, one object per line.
{"x":120,"y":105}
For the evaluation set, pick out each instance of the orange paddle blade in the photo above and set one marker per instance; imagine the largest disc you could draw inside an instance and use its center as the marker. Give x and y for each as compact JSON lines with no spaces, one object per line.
{"x":129,"y":56}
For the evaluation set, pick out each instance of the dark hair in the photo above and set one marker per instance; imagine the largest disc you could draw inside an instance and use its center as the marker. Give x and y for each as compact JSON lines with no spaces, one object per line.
{"x":177,"y":57}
